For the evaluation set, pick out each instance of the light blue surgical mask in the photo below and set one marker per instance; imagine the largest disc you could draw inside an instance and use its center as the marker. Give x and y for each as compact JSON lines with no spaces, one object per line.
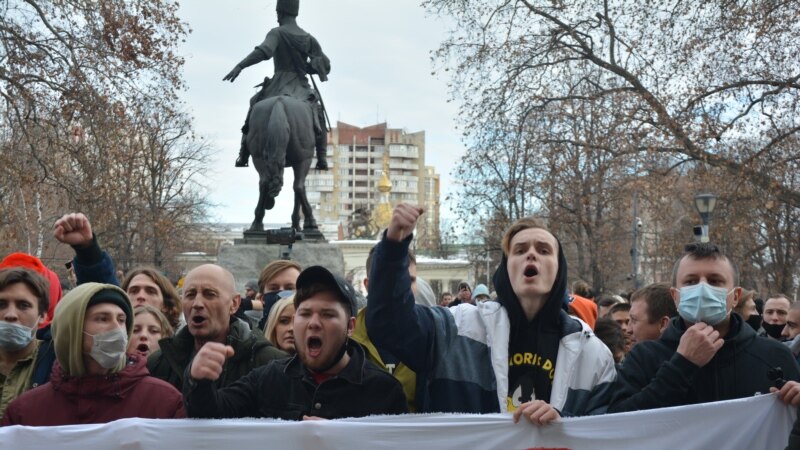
{"x":14,"y":336}
{"x":108,"y":348}
{"x":702,"y":302}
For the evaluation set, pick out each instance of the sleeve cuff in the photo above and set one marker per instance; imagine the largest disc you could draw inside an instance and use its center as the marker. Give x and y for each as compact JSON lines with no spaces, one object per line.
{"x":684,"y":365}
{"x":393,"y":250}
{"x":90,"y":254}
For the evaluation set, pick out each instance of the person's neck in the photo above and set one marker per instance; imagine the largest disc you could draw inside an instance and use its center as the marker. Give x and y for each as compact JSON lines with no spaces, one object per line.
{"x":8,"y":358}
{"x":531,"y":306}
{"x":222,"y":338}
{"x":288,"y":21}
{"x":339,"y":366}
{"x":724,"y":327}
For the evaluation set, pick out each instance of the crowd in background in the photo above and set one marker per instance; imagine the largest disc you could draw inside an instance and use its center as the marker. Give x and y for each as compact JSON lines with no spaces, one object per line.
{"x":299,"y":344}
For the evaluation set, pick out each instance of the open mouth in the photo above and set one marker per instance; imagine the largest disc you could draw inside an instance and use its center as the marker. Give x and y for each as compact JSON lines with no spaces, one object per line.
{"x":314,"y":345}
{"x":143,"y":348}
{"x":531,"y":271}
{"x":198,"y":320}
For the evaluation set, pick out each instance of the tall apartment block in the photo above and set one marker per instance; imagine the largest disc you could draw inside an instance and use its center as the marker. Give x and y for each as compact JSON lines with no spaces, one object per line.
{"x":359,"y":158}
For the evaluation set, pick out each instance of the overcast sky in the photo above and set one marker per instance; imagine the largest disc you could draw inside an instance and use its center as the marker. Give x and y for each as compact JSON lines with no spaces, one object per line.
{"x":381,"y":71}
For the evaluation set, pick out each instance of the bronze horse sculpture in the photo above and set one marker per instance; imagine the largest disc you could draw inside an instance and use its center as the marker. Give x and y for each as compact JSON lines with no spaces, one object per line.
{"x":282,"y":135}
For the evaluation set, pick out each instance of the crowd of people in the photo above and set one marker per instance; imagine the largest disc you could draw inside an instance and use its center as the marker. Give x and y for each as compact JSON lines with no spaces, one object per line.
{"x":298,"y":346}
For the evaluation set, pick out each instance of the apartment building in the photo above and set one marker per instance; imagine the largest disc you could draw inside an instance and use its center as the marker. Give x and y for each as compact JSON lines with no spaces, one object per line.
{"x":358,"y":157}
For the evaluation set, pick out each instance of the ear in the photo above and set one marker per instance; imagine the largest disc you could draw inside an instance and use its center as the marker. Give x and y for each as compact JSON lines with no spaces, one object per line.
{"x":366,"y":284}
{"x":237,"y":299}
{"x":351,"y":325}
{"x":676,"y":296}
{"x":737,"y":295}
{"x":663,"y":323}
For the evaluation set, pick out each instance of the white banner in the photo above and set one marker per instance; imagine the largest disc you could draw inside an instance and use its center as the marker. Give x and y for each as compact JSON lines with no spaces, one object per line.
{"x":761,"y":422}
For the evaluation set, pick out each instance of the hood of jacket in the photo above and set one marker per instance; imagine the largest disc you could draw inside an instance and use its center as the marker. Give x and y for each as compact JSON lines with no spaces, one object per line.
{"x":67,"y":327}
{"x":549,"y":316}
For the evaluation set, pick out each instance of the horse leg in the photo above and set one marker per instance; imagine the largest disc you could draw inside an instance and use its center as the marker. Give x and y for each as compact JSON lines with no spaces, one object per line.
{"x":300,"y":172}
{"x":296,"y":213}
{"x":258,"y":221}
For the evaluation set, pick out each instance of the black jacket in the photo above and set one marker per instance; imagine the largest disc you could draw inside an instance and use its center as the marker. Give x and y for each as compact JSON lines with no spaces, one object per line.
{"x":175,"y":353}
{"x":654,"y":375}
{"x":284,"y":389}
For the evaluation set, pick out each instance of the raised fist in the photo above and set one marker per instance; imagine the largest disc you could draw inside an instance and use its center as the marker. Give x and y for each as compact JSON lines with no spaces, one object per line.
{"x":73,"y":229}
{"x":404,"y":220}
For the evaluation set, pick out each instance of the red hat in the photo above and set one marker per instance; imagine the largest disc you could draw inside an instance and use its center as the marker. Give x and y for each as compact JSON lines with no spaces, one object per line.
{"x":31,"y":262}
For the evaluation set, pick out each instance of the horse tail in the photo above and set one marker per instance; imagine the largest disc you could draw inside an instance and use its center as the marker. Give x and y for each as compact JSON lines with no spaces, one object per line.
{"x":277,"y":143}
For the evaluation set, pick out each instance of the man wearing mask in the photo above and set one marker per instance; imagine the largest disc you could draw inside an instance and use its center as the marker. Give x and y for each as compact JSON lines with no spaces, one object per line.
{"x":747,"y":309}
{"x":776,"y":310}
{"x":706,"y":354}
{"x":209,"y":303}
{"x":328,"y":378}
{"x":93,"y":380}
{"x":23,"y":305}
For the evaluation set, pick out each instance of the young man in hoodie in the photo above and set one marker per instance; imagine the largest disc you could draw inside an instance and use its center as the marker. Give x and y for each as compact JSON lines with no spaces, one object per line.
{"x":522,"y":353}
{"x":94,"y":380}
{"x":707,"y":353}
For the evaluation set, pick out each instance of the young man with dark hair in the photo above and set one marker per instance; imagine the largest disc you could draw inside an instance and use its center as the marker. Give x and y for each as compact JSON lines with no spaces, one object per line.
{"x":521,"y":353}
{"x":621,"y":313}
{"x":328,"y":378}
{"x":706,"y":354}
{"x":445,"y":299}
{"x":776,"y":310}
{"x":23,"y":305}
{"x":652,"y":307}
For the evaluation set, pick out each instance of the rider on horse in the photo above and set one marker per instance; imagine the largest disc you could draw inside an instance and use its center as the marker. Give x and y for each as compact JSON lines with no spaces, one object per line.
{"x":295,"y":53}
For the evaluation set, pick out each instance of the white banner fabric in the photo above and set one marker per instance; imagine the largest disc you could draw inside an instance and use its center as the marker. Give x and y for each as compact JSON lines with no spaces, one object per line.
{"x":761,"y":422}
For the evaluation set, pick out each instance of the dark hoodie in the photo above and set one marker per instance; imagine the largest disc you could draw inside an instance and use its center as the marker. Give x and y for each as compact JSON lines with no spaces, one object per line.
{"x":539,"y":336}
{"x":654,"y":375}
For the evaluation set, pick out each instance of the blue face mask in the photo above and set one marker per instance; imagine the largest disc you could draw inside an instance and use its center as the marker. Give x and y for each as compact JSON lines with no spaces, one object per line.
{"x":702,"y":302}
{"x":14,"y":336}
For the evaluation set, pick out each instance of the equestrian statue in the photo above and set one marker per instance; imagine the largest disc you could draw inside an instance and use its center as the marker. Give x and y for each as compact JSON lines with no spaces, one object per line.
{"x":286,"y":121}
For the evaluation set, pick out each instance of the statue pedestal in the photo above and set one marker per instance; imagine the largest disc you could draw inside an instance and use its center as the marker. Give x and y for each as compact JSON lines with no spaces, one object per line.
{"x":249,"y":255}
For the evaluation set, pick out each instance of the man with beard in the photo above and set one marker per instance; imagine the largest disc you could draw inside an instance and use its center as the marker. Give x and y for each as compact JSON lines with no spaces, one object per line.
{"x":329,"y":378}
{"x":521,"y":353}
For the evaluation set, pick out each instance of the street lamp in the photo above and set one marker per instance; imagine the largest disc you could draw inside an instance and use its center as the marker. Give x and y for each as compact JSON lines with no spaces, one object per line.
{"x":705,"y":204}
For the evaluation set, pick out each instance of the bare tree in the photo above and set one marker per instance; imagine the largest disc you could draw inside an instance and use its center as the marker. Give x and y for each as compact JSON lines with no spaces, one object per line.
{"x":91,"y":116}
{"x":700,"y":91}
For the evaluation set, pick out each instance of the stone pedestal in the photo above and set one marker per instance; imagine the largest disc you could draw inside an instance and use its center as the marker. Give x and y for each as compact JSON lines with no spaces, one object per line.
{"x":248,"y":256}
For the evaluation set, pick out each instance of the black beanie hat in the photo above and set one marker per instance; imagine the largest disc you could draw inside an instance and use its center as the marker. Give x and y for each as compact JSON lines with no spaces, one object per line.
{"x":117,"y":298}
